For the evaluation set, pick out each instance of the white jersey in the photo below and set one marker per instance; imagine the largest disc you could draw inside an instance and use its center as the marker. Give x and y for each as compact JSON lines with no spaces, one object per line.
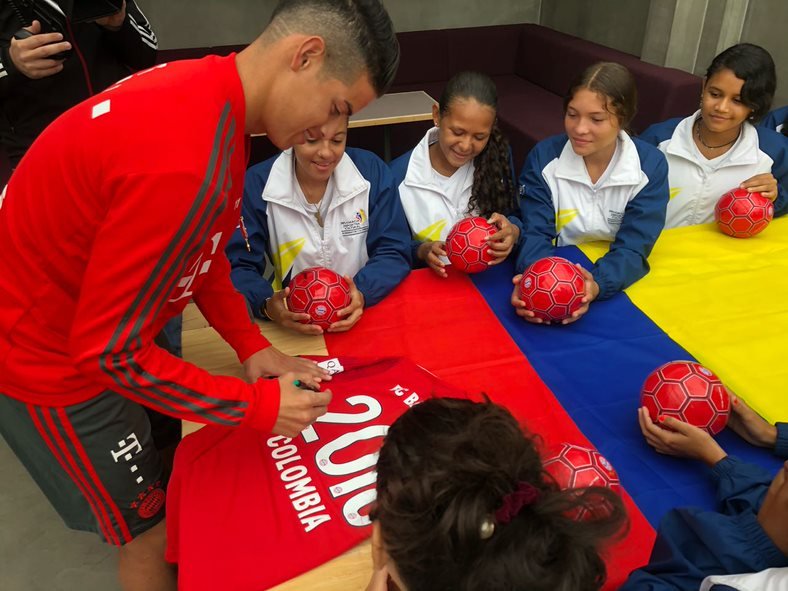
{"x":364,"y":234}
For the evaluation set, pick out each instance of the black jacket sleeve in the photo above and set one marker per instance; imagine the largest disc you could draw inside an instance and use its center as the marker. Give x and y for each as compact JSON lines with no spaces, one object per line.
{"x":10,"y":23}
{"x":135,"y":43}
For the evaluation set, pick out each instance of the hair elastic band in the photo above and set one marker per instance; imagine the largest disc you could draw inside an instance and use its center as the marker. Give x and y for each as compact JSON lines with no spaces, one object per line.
{"x":524,"y":495}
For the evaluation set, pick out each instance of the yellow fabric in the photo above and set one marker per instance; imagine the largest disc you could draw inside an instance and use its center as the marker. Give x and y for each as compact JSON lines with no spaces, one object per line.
{"x":724,"y":300}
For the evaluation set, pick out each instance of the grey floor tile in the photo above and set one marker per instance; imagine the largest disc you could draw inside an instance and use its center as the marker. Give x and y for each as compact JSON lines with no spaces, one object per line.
{"x":37,"y":551}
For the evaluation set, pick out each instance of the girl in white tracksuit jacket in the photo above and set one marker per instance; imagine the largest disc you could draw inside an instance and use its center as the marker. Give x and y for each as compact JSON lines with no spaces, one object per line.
{"x":594,"y":183}
{"x":319,"y":204}
{"x":462,"y":167}
{"x":719,"y":148}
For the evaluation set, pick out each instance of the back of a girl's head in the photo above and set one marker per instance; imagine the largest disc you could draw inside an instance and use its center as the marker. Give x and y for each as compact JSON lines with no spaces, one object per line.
{"x":469,"y":85}
{"x":755,"y":66}
{"x":614,"y":83}
{"x":445,"y":468}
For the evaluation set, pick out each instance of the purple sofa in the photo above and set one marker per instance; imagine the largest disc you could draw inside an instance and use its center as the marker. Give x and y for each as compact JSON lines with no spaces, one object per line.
{"x":532,"y":67}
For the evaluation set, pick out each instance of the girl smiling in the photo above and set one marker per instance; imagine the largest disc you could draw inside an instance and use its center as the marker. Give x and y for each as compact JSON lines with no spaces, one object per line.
{"x":718,"y":148}
{"x":462,"y":167}
{"x":594,"y":182}
{"x":319,"y":204}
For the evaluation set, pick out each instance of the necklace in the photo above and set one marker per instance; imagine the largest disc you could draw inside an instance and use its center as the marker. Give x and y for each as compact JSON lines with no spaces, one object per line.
{"x":705,"y":145}
{"x":317,"y":211}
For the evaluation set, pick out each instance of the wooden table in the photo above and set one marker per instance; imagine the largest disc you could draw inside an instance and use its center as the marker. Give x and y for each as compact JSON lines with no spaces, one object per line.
{"x":203,"y":347}
{"x":390,"y":109}
{"x":393,"y":108}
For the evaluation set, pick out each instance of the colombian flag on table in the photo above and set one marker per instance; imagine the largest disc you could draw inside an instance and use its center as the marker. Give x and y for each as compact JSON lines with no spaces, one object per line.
{"x":725,"y":301}
{"x":582,"y":381}
{"x":446,"y":326}
{"x":705,"y":298}
{"x":709,"y":297}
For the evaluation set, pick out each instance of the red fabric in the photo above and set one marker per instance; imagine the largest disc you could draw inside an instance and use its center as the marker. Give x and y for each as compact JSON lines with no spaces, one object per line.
{"x":117,"y":215}
{"x":232,"y":521}
{"x":446,"y":326}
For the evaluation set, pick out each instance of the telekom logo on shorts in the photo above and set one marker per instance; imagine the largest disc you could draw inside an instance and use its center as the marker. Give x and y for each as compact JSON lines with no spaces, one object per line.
{"x":128,"y":448}
{"x":200,"y":266}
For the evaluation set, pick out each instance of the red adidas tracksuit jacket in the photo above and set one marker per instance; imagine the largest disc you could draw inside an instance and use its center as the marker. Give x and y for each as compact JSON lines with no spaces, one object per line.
{"x":118,"y":215}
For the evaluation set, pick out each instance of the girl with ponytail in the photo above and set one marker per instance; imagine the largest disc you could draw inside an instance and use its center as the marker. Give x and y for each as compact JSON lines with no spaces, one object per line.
{"x":464,"y":504}
{"x":594,"y":183}
{"x":462,"y":167}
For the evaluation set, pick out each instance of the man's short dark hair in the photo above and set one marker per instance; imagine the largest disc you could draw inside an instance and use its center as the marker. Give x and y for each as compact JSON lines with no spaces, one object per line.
{"x":359,"y":36}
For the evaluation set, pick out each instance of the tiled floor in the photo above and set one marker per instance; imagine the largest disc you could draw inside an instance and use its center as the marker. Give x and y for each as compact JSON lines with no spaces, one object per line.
{"x":38,"y":552}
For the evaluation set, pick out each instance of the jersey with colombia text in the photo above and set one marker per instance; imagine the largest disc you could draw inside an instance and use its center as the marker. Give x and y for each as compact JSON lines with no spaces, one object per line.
{"x":246,"y":511}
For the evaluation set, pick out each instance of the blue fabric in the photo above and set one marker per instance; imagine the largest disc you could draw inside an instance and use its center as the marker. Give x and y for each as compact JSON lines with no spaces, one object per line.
{"x":596,"y":367}
{"x":775,"y":118}
{"x":781,"y":447}
{"x":172,"y":332}
{"x":694,"y":543}
{"x":775,"y":146}
{"x":399,"y":166}
{"x":659,"y":132}
{"x":644,"y":217}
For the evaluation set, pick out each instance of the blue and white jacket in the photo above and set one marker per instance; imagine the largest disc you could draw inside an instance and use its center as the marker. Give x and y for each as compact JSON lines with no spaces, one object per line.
{"x":431,"y":214}
{"x":365,"y":234}
{"x":560,"y":205}
{"x":696,"y":184}
{"x":776,"y":119}
{"x":695,"y":547}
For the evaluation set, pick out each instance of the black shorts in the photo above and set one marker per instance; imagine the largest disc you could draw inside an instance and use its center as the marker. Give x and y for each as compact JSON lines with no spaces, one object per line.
{"x":96,"y":461}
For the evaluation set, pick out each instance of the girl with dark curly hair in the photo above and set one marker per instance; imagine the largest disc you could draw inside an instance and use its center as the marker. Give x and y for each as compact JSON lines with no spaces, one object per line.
{"x":464,"y":504}
{"x":462,"y":167}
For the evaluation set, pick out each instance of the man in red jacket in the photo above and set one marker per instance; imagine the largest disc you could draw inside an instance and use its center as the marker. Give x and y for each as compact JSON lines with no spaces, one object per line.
{"x":117,"y":216}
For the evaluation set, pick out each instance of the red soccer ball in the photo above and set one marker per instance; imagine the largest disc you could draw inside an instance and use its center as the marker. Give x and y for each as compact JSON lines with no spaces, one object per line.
{"x":319,"y":292}
{"x":687,"y":391}
{"x":466,"y":245}
{"x":743,"y":215}
{"x":573,"y":466}
{"x":552,"y":288}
